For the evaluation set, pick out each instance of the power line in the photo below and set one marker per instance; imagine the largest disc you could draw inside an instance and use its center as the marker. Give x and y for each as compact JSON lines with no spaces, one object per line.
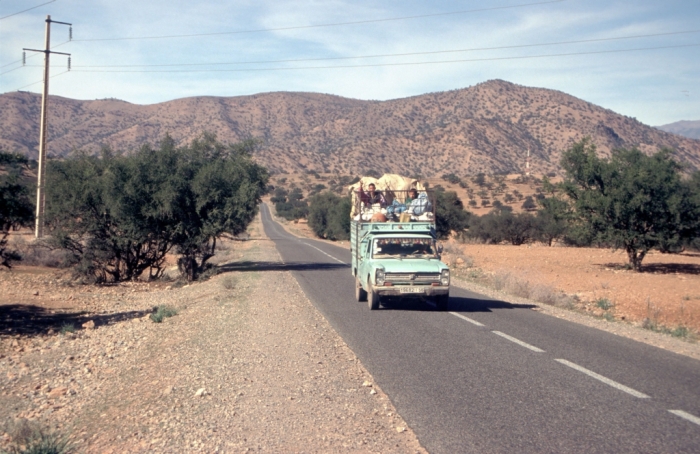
{"x":28,"y":9}
{"x":31,"y":56}
{"x":406,"y":54}
{"x":392,"y":64}
{"x":333,"y":24}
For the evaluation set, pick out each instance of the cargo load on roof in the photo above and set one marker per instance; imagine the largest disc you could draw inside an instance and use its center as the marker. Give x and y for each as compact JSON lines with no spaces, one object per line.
{"x":393,"y":200}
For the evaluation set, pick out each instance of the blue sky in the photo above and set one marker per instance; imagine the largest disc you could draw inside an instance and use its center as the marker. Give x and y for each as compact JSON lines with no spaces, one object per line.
{"x":245,"y":47}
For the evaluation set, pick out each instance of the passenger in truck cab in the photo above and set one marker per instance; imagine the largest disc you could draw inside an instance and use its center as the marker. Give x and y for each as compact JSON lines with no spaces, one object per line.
{"x":371,"y":196}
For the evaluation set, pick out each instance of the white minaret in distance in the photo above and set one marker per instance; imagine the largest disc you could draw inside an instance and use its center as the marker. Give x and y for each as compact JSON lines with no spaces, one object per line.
{"x":527,"y":163}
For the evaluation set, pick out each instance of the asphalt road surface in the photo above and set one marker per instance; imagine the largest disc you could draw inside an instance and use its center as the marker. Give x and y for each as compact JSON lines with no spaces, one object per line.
{"x":490,"y":376}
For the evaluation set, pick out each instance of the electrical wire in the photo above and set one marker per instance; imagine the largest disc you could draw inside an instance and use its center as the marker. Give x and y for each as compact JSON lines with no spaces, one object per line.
{"x":28,"y":9}
{"x":406,"y":54}
{"x":40,"y":81}
{"x":31,"y":56}
{"x":333,"y":24}
{"x":392,"y":64}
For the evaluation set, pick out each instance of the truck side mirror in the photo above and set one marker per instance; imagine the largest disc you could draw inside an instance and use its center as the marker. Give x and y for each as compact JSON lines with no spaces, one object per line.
{"x":439,"y":248}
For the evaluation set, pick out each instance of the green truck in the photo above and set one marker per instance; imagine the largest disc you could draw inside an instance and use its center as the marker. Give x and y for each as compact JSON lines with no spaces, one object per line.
{"x":395,"y":259}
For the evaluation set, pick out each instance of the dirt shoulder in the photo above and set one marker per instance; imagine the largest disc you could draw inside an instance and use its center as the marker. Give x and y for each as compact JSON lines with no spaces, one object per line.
{"x":246,"y":364}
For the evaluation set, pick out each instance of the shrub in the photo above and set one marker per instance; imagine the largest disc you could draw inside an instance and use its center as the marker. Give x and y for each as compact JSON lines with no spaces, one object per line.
{"x":604,"y":304}
{"x":502,"y":225}
{"x":450,"y":214}
{"x":16,"y":208}
{"x":29,"y":439}
{"x":329,"y":216}
{"x":162,"y":312}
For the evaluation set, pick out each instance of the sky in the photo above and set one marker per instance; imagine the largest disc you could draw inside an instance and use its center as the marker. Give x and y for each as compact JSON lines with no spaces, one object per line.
{"x":638,"y":58}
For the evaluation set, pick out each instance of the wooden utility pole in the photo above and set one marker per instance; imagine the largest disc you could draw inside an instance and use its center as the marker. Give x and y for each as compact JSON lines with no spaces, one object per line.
{"x":41,"y":173}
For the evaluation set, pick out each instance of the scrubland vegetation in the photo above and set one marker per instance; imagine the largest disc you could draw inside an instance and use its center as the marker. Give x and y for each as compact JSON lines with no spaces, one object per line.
{"x":116,"y":217}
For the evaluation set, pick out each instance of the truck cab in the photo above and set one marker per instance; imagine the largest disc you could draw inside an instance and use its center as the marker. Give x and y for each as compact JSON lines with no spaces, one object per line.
{"x":397,"y":259}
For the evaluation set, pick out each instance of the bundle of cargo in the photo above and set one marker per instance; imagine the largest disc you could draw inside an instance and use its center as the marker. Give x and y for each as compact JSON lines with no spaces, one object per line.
{"x":391,"y":198}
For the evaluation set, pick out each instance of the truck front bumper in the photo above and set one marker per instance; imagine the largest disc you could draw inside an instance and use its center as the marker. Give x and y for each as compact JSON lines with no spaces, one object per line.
{"x":412,"y":290}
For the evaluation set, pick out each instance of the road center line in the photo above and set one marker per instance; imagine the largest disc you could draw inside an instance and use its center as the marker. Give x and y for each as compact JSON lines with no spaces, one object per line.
{"x":605,"y":380}
{"x":686,"y":416}
{"x":473,"y":322}
{"x":323,"y":252}
{"x":518,"y":341}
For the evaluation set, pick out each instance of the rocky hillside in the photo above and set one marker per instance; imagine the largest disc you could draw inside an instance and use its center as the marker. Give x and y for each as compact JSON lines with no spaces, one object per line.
{"x":485,"y":128}
{"x":689,"y":129}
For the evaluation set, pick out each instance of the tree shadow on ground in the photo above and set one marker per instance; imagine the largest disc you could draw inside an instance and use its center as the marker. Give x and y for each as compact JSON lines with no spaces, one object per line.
{"x":31,"y":320}
{"x":456,"y":304}
{"x":279,"y":266}
{"x":660,"y":268}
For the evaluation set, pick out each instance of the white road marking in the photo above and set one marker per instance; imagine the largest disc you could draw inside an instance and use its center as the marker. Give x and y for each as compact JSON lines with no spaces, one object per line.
{"x":518,"y":341}
{"x":686,"y":416}
{"x":473,"y":322}
{"x":325,"y":253}
{"x":605,"y":380}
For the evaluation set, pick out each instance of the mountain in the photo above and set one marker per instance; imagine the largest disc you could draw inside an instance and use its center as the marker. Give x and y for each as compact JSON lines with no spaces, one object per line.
{"x":485,"y":128}
{"x":690,"y":129}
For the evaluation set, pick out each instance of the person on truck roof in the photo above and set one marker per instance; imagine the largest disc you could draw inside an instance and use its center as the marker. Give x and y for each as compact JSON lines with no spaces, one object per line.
{"x":420,"y":205}
{"x":412,"y":195}
{"x":372,"y":196}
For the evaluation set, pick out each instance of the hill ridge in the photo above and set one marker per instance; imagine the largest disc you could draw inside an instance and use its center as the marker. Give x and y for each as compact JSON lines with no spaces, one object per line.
{"x":487,"y":127}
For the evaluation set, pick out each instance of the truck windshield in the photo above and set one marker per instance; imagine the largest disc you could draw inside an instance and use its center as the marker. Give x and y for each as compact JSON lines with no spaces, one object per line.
{"x":404,"y":248}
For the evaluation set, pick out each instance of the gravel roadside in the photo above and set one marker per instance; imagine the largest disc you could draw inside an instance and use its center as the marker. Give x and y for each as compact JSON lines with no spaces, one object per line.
{"x":247,"y":364}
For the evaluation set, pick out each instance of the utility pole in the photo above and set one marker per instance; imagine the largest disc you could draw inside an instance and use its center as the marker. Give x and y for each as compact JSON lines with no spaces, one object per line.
{"x":41,"y":173}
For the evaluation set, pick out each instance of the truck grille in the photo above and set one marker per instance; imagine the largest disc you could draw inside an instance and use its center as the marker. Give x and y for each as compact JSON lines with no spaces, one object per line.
{"x":412,"y":278}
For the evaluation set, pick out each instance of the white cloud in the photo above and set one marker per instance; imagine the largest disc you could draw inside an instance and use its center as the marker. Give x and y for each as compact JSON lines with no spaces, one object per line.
{"x":641,"y":84}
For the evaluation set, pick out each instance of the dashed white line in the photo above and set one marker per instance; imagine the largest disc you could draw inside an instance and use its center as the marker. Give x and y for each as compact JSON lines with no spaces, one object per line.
{"x":518,"y":341}
{"x":473,"y":322}
{"x":323,"y":252}
{"x":687,"y":416}
{"x":605,"y":380}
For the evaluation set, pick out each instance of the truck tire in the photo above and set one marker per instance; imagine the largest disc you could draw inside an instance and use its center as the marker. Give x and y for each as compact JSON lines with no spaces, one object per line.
{"x":360,"y":293}
{"x":442,"y":301}
{"x":372,"y":300}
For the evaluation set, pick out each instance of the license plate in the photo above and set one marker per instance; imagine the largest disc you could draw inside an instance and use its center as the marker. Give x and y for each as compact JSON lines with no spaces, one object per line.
{"x":411,"y":290}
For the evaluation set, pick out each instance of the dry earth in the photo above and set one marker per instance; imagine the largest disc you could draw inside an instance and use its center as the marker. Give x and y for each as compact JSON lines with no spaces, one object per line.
{"x":247,"y":364}
{"x":667,"y":292}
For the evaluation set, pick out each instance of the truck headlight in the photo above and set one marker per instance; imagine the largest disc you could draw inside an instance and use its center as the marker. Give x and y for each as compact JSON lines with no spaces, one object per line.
{"x":445,"y":277}
{"x":379,"y":277}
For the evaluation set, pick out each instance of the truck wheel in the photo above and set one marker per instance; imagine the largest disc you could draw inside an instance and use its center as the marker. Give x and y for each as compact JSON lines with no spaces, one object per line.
{"x":360,"y":293}
{"x":442,"y":301}
{"x":373,"y":300}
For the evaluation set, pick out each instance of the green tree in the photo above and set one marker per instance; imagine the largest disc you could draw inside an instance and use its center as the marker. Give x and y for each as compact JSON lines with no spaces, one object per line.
{"x":120,"y":215}
{"x":218,"y":192}
{"x":16,"y":208}
{"x":630,"y":201}
{"x":552,"y":219}
{"x":450,"y":214}
{"x":329,"y":216}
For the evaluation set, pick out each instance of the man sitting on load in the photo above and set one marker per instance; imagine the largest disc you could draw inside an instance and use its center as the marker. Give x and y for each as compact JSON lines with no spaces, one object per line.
{"x":372,"y":196}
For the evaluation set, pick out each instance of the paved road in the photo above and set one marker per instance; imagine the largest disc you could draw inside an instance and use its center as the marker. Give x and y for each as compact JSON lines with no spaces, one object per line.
{"x":489,"y":376}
